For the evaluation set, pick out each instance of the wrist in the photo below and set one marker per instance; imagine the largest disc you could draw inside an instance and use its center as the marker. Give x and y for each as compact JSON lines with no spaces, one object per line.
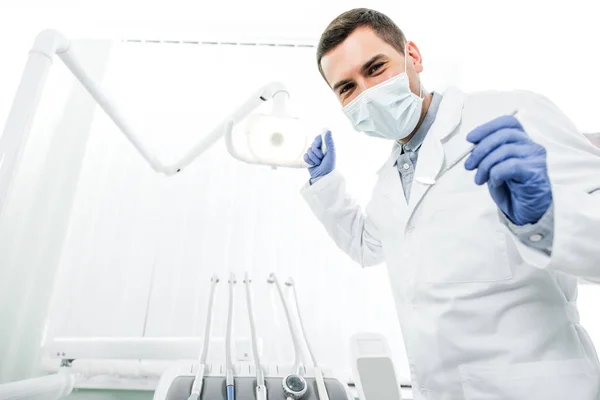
{"x":315,"y":178}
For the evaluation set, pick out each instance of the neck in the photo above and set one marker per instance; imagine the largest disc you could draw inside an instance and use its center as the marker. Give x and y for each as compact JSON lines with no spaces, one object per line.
{"x":424,"y":108}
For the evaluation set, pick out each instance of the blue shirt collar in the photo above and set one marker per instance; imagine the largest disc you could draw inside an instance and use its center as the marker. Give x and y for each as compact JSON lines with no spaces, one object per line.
{"x":417,"y":140}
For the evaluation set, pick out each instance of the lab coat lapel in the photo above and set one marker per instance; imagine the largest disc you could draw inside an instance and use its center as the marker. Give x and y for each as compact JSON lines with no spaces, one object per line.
{"x":430,"y":164}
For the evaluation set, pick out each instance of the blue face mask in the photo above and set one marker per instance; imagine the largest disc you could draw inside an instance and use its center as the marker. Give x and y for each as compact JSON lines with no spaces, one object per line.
{"x":388,"y":110}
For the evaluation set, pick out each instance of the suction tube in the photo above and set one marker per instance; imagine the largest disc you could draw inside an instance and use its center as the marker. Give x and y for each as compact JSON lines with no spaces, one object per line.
{"x":321,"y":388}
{"x":261,"y":389}
{"x":197,"y":385}
{"x":229,"y":357}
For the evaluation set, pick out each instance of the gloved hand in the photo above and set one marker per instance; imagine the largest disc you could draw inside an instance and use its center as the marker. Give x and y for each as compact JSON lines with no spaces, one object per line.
{"x":320,"y":165}
{"x":514,"y":168}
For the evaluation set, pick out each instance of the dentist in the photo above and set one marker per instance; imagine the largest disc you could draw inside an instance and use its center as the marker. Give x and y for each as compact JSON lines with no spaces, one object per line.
{"x":483,"y":248}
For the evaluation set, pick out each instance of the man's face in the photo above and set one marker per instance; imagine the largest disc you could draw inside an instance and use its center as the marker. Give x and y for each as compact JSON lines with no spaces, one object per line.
{"x":364,"y":60}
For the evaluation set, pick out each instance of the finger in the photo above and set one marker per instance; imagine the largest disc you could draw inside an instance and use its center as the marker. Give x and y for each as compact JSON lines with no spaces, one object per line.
{"x":503,"y":122}
{"x":329,"y":142}
{"x":504,"y":152}
{"x":316,"y":144}
{"x":311,"y":154}
{"x":512,"y":169}
{"x":318,"y":152}
{"x":308,"y":160}
{"x":493,"y":141}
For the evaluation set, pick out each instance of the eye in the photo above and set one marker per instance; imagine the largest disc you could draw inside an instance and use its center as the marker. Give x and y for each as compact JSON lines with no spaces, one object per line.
{"x":346,"y":88}
{"x":375,"y":68}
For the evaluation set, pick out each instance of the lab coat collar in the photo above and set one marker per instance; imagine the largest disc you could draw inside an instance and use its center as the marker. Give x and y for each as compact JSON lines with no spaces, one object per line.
{"x":433,"y":152}
{"x":447,"y":119}
{"x":431,"y":156}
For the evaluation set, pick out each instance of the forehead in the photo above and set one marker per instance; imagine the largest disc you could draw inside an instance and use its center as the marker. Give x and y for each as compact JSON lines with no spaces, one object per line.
{"x":349,"y":56}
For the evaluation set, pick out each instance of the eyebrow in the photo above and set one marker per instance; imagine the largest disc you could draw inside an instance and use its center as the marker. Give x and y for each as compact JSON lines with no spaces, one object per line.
{"x":364,"y":68}
{"x":340,"y":84}
{"x":372,"y":61}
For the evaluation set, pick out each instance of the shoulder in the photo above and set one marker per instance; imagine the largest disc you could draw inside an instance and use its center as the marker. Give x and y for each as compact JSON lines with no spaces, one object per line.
{"x":543,"y":121}
{"x":481,"y":107}
{"x":494,"y":100}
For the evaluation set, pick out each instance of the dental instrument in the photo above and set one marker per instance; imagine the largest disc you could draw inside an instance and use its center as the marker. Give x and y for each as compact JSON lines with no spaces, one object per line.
{"x":29,"y":92}
{"x":261,"y":389}
{"x":430,"y":181}
{"x":229,"y":358}
{"x":199,"y":379}
{"x":253,"y":380}
{"x":295,"y":339}
{"x":294,"y":384}
{"x":472,"y":147}
{"x":321,"y":389}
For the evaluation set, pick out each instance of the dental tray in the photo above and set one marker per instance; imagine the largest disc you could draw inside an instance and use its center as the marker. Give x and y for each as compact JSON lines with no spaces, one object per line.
{"x":214,"y":389}
{"x":176,"y":383}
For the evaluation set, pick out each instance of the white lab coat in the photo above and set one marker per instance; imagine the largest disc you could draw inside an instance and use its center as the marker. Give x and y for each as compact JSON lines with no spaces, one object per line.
{"x":484,"y":317}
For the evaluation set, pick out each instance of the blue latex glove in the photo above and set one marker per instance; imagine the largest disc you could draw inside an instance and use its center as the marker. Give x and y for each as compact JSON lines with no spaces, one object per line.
{"x":320,"y":165}
{"x":514,"y":168}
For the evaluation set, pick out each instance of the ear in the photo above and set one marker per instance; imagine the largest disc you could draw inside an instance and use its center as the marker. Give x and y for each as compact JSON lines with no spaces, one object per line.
{"x":415,"y":55}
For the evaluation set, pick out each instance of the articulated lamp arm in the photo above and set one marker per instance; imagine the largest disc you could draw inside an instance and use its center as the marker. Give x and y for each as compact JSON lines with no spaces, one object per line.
{"x":18,"y":125}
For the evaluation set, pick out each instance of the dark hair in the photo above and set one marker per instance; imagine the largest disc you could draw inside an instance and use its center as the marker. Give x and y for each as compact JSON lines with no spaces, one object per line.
{"x":343,"y":26}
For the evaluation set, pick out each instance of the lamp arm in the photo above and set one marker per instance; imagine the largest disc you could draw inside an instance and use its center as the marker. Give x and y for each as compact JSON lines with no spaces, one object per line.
{"x":272,"y":90}
{"x":275,"y":90}
{"x":49,"y":43}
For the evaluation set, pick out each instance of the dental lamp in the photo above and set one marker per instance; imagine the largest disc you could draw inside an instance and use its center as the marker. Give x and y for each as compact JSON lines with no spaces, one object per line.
{"x":275,"y":140}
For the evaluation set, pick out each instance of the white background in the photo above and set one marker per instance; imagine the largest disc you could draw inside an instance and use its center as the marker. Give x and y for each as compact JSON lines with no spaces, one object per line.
{"x":125,"y":222}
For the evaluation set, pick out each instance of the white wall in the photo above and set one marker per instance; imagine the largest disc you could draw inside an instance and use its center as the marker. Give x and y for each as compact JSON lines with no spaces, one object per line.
{"x":139,"y":241}
{"x":126,"y":221}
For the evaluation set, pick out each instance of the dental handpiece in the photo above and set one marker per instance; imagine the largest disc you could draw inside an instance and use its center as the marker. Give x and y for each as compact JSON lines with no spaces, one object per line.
{"x":261,"y":389}
{"x":199,"y":379}
{"x":294,"y":385}
{"x":321,"y":388}
{"x":295,"y":339}
{"x":229,"y":360}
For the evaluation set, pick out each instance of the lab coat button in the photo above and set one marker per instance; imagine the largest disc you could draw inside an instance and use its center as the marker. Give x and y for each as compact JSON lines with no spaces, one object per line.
{"x":536,"y":237}
{"x":406,"y":166}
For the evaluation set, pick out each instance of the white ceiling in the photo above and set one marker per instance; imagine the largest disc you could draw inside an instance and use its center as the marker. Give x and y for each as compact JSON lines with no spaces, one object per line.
{"x":444,"y":20}
{"x":545,"y":46}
